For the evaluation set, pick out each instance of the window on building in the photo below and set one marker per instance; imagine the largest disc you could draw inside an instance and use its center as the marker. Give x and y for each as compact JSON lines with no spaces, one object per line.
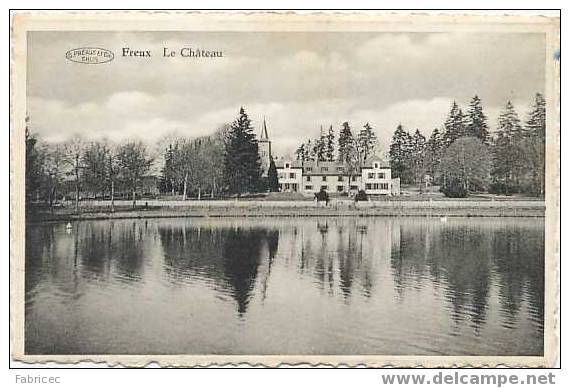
{"x":381,"y":175}
{"x":287,"y":165}
{"x":340,"y":189}
{"x":371,"y":175}
{"x":291,"y":175}
{"x":286,"y":186}
{"x":369,"y":186}
{"x":384,"y":186}
{"x":308,"y":187}
{"x":324,"y":169}
{"x":375,"y":165}
{"x":354,"y":178}
{"x":340,"y":178}
{"x":308,"y":178}
{"x":324,"y":178}
{"x":324,"y":188}
{"x":375,"y":186}
{"x":308,"y":169}
{"x":340,"y":169}
{"x":294,"y":187}
{"x":354,"y":187}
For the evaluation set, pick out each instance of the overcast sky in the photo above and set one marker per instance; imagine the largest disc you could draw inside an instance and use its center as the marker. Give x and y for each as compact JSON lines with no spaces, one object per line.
{"x":298,"y":81}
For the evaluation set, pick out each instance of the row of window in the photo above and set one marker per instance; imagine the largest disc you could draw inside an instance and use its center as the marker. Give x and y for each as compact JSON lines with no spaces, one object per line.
{"x":340,"y":178}
{"x":323,"y":169}
{"x":339,"y":189}
{"x":288,"y":187}
{"x":380,"y":175}
{"x":324,"y":178}
{"x":291,"y":175}
{"x":377,"y":186}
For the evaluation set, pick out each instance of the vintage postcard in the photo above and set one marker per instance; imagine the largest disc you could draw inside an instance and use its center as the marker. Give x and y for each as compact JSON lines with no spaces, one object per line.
{"x":283,"y":188}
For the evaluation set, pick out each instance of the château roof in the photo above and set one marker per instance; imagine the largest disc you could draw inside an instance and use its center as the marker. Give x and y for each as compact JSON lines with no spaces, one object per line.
{"x":381,"y":163}
{"x":327,"y":167}
{"x":293,"y":163}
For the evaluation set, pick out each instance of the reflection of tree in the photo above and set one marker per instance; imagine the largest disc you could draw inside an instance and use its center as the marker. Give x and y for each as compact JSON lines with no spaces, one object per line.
{"x":228,"y":256}
{"x":348,"y":258}
{"x":519,"y":260}
{"x":241,"y":252}
{"x":128,"y":248}
{"x":96,"y":248}
{"x":407,"y":258}
{"x":462,"y":257}
{"x":453,"y":255}
{"x":40,"y":242}
{"x":272,"y":245}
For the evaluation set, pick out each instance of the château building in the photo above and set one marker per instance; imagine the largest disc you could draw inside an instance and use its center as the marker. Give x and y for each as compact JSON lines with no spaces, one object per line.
{"x":309,"y":177}
{"x":374,"y":177}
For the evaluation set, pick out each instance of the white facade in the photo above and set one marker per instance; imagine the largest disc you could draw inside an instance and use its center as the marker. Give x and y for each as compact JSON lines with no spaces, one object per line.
{"x":290,"y":177}
{"x":335,"y":178}
{"x":377,"y":179}
{"x":310,"y":177}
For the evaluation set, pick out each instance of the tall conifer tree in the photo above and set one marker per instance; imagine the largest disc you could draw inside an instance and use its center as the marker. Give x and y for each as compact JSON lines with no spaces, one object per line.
{"x":508,"y":158}
{"x":454,"y":125}
{"x":400,"y":154}
{"x":433,"y":153}
{"x":417,"y":157}
{"x":345,"y":143}
{"x":329,"y":147}
{"x":272,"y":177}
{"x":366,"y":142}
{"x":477,"y":121}
{"x":535,"y":128}
{"x":242,"y":170}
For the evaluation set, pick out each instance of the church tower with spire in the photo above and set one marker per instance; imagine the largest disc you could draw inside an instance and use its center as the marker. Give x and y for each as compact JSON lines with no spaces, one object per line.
{"x":264,"y":146}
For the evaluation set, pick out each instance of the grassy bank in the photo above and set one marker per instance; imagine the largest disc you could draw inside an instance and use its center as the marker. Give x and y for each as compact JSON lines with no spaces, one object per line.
{"x":156,"y":208}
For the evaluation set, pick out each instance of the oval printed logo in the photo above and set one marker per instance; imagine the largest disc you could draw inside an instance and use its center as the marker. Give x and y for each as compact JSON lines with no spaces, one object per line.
{"x":90,"y":55}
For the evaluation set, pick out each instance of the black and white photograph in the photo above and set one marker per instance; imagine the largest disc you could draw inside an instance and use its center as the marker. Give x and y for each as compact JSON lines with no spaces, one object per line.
{"x":285,"y":188}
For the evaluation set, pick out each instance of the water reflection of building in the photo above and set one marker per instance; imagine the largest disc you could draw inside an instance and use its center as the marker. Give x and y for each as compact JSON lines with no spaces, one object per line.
{"x":344,"y":255}
{"x":480,"y":270}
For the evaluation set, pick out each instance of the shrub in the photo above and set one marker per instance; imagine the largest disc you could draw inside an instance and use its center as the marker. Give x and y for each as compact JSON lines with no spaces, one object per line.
{"x":454,"y":189}
{"x":361,"y":196}
{"x":502,"y":188}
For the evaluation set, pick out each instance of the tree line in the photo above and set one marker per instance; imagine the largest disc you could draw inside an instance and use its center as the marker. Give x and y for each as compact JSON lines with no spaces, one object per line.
{"x":464,"y":156}
{"x":226,"y":162}
{"x":97,"y":168}
{"x":350,"y":148}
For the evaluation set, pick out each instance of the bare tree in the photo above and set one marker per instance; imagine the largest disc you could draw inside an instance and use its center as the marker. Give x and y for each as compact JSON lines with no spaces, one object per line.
{"x":53,"y":169}
{"x":73,"y":158}
{"x":134,"y":163}
{"x":112,"y":172}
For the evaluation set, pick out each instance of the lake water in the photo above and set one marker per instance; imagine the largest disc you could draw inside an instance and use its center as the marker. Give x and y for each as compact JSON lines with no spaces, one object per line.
{"x":399,"y":286}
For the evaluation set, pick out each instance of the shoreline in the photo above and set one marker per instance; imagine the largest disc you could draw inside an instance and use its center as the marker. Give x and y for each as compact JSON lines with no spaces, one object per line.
{"x":216,"y":209}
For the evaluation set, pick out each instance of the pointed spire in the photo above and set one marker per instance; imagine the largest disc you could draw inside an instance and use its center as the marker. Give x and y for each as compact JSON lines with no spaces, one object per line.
{"x":264,"y":135}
